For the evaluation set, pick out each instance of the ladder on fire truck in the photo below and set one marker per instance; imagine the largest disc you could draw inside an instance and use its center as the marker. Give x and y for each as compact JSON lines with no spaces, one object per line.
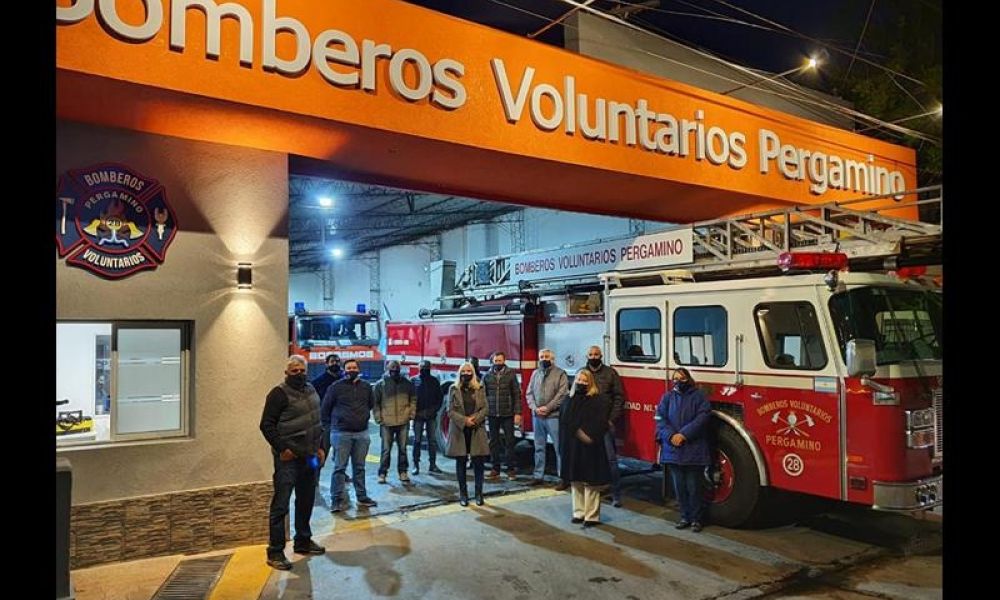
{"x":750,"y":245}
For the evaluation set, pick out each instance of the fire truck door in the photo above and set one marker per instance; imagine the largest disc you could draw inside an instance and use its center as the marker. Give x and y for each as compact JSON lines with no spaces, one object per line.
{"x":639,"y":351}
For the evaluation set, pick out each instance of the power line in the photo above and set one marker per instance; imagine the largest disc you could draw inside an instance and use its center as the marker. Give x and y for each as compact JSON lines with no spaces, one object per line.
{"x":814,"y":40}
{"x":871,"y":7}
{"x":796,"y":93}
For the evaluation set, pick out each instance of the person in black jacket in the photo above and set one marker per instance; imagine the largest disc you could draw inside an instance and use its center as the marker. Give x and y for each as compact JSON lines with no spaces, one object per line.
{"x":429,"y":399}
{"x":291,"y":425}
{"x":503,"y":396}
{"x":582,"y":426}
{"x":331,"y":375}
{"x":609,"y":382}
{"x":345,"y":413}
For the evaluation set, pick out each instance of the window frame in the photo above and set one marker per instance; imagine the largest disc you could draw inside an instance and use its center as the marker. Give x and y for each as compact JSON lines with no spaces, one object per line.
{"x":619,"y":350}
{"x":186,"y":329}
{"x":763,"y":346}
{"x":725,"y":335}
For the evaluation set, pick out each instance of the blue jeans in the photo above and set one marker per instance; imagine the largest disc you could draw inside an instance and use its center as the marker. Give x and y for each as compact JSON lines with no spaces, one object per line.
{"x":419,"y":425}
{"x":346,"y":445}
{"x":295,"y":474}
{"x":397,"y":434}
{"x":545,"y":427}
{"x":687,"y":486}
{"x":612,"y":452}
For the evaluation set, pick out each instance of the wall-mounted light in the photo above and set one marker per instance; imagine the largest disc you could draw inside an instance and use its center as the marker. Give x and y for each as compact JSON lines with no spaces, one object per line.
{"x":244,"y":276}
{"x":336,"y":253}
{"x":326,"y":201}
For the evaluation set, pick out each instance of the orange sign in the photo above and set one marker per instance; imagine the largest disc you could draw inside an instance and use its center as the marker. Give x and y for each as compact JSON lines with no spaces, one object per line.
{"x":387,"y":90}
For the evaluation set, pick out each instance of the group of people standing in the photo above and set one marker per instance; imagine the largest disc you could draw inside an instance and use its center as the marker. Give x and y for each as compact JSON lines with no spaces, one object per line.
{"x":579,"y":420}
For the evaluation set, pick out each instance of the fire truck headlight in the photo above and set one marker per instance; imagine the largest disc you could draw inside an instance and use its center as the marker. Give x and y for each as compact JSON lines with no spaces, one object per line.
{"x":920,"y":419}
{"x":921,"y":438}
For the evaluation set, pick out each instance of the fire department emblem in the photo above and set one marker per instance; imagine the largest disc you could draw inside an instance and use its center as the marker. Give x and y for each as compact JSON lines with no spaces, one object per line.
{"x":112,"y":220}
{"x":793,"y":425}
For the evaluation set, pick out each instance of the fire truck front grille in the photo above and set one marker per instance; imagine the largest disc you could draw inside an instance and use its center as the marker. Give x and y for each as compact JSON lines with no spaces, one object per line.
{"x":938,"y":398}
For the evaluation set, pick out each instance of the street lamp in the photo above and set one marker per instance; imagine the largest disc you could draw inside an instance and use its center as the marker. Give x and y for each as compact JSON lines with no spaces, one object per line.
{"x":337,"y":252}
{"x":812,"y":63}
{"x":325,"y":201}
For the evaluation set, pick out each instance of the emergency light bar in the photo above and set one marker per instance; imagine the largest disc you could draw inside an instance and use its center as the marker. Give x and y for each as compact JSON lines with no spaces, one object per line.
{"x":812,"y":261}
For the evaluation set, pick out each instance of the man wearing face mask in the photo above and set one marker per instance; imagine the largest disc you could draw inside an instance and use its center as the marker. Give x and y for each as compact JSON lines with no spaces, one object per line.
{"x":503,"y":396}
{"x":345,"y":413}
{"x":608,"y":382}
{"x":328,"y":377}
{"x":546,"y":390}
{"x":681,"y":428}
{"x":395,"y":407}
{"x":291,"y":425}
{"x":429,"y":399}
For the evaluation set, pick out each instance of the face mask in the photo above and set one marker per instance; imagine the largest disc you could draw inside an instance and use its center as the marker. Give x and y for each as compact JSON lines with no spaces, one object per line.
{"x":546,"y":364}
{"x":394,"y":374}
{"x":334,"y":368}
{"x":581,"y":389}
{"x":682,"y":384}
{"x":594,"y":362}
{"x":296,"y":381}
{"x":466,"y":377}
{"x":497,"y":367}
{"x":352,"y":375}
{"x":425,"y":372}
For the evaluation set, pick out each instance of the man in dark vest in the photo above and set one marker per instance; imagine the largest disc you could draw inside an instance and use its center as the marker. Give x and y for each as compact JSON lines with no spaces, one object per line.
{"x":291,"y":425}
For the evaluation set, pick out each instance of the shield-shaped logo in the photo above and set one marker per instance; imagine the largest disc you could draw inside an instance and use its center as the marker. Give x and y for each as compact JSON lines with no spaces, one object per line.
{"x":112,"y":220}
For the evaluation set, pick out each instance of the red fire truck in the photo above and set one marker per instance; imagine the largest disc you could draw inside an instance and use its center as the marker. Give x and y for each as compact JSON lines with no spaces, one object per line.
{"x":314,"y":334}
{"x":823,"y":368}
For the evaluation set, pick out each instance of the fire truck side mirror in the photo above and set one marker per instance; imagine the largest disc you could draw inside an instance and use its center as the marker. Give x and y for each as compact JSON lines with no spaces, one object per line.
{"x":861,"y":358}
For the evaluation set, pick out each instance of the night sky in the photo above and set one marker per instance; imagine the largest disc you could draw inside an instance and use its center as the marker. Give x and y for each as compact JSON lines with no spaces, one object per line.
{"x":837,"y":23}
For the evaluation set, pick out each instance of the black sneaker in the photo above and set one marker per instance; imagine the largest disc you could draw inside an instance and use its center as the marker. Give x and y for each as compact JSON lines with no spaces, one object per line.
{"x":682,"y":524}
{"x":416,"y":470}
{"x":278,"y":561}
{"x":591,"y":523}
{"x":616,"y":503}
{"x":435,"y":469}
{"x":366,"y":501}
{"x":576,"y":520}
{"x":309,"y":548}
{"x":696,"y":527}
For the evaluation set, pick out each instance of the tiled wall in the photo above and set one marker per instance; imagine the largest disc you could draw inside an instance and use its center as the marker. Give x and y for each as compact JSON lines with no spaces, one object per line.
{"x":181,"y":523}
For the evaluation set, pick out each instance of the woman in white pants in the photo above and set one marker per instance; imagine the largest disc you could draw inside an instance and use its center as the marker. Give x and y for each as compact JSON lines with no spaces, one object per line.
{"x":582,"y":426}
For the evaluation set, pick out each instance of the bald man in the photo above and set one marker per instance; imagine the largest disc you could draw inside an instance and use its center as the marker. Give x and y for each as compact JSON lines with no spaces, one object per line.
{"x":291,"y":425}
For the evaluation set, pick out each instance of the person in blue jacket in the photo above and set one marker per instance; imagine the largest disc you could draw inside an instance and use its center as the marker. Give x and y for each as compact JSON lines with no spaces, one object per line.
{"x":682,"y":430}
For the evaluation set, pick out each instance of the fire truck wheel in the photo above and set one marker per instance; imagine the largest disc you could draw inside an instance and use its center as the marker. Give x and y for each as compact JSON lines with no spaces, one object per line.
{"x":442,"y":419}
{"x":737,"y":498}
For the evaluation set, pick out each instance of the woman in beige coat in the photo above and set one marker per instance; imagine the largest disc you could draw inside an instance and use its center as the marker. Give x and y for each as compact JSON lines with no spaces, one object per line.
{"x":466,"y":434}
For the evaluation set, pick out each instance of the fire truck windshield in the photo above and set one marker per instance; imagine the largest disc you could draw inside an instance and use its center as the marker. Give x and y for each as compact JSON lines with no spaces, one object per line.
{"x":905,"y":324}
{"x":337,"y":330}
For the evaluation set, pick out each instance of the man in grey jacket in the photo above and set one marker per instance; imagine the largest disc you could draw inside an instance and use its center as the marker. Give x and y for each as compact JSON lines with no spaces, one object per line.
{"x":546,"y":390}
{"x":609,"y":383}
{"x":395,"y":407}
